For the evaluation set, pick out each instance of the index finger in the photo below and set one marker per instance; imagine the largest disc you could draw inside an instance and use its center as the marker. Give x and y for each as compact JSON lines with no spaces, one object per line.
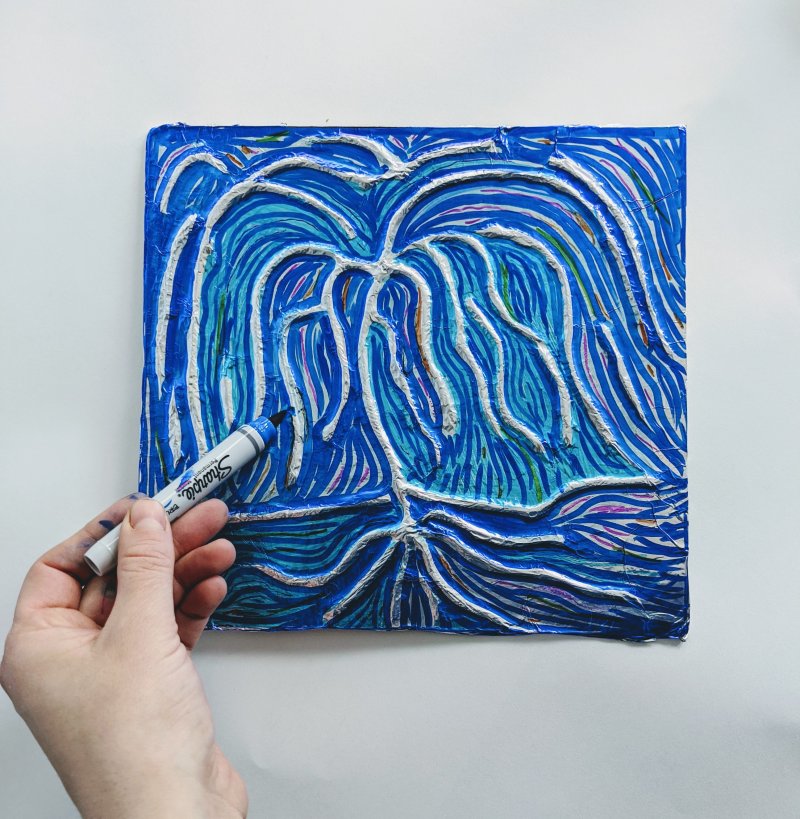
{"x":56,"y":578}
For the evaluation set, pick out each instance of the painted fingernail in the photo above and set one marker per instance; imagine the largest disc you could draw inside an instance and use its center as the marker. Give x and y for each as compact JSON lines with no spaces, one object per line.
{"x":146,"y":513}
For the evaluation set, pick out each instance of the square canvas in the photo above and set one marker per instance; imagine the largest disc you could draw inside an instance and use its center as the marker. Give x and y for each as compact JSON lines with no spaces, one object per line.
{"x":480,"y":334}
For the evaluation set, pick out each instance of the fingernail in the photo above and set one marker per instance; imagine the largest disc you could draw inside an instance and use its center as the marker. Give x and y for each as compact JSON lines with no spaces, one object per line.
{"x":148,"y":514}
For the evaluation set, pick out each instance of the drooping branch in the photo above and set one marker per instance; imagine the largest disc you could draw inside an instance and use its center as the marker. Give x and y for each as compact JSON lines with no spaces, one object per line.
{"x":424,"y":342}
{"x":341,"y":351}
{"x":296,"y":397}
{"x":500,"y":382}
{"x":368,"y":393}
{"x":199,"y":156}
{"x":401,"y":382}
{"x":461,"y":342}
{"x":575,"y":170}
{"x":565,"y":401}
{"x":526,"y":240}
{"x":165,"y":296}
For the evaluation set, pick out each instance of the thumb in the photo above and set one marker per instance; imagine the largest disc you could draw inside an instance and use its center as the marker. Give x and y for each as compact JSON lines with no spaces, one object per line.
{"x":145,"y":567}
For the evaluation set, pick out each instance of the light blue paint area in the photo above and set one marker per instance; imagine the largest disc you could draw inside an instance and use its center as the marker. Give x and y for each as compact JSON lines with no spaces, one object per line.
{"x":481,"y":335}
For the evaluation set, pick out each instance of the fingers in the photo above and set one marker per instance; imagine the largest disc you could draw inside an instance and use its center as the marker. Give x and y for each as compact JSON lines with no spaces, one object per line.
{"x":198,"y":526}
{"x":198,"y":572}
{"x":145,"y":569}
{"x":192,"y":531}
{"x":191,"y":570}
{"x":197,"y":607}
{"x":98,"y":598}
{"x":54,"y":581}
{"x":201,"y":563}
{"x":196,"y":560}
{"x":103,"y":523}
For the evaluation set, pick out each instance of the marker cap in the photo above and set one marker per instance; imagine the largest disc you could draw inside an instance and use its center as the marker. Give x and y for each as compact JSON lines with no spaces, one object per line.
{"x":102,"y":557}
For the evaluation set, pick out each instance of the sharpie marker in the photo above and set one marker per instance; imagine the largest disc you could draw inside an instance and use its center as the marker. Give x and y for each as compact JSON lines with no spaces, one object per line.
{"x":197,"y":482}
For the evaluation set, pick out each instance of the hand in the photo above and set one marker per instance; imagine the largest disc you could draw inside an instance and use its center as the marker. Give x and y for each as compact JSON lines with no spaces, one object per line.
{"x":102,"y":671}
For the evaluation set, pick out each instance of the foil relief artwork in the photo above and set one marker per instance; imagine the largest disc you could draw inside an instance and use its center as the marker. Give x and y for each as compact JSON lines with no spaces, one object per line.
{"x":480,"y":334}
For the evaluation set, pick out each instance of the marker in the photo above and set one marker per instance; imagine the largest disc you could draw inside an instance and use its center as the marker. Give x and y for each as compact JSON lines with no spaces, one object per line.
{"x":197,"y":482}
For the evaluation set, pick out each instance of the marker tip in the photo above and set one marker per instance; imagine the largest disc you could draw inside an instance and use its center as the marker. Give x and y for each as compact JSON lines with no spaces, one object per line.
{"x":278,"y":417}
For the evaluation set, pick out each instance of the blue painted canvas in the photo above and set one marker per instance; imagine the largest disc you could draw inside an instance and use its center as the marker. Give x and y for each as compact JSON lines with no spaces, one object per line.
{"x":480,"y":333}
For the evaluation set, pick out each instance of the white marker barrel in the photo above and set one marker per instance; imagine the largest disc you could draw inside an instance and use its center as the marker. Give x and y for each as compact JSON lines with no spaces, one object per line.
{"x":196,"y":483}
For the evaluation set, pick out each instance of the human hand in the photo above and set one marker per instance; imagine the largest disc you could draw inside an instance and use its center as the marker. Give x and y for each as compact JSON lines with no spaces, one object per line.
{"x":102,"y":671}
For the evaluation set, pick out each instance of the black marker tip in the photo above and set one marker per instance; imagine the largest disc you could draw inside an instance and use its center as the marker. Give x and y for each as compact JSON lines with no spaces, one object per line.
{"x":278,"y":417}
